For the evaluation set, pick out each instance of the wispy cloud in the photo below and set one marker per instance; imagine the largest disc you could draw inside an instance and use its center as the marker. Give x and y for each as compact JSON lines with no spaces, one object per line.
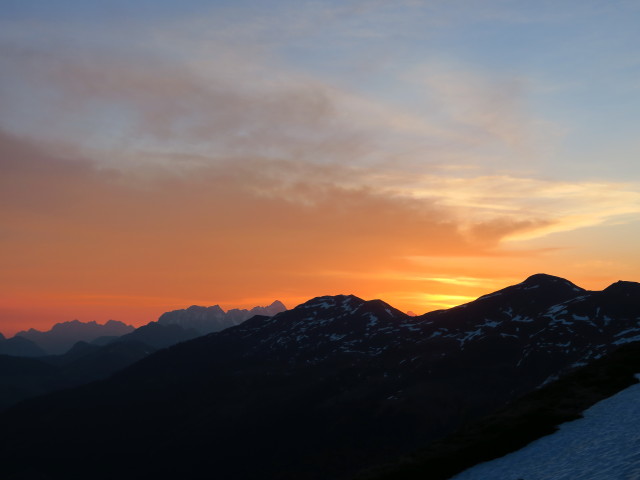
{"x":549,"y":206}
{"x":233,"y":95}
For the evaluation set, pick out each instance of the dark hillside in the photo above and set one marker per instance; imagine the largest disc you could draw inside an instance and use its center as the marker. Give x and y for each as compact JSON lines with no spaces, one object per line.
{"x":527,"y":419}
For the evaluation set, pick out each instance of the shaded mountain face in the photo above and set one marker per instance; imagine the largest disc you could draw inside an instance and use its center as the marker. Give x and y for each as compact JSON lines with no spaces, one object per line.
{"x":550,"y":324}
{"x":19,"y":347}
{"x":322,"y":390}
{"x":63,"y":336}
{"x":86,"y":362}
{"x":22,"y":378}
{"x":535,"y":415}
{"x":214,"y":319}
{"x":159,"y":336}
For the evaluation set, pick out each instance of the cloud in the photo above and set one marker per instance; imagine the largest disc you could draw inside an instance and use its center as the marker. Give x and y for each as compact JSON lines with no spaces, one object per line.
{"x":140,"y":99}
{"x":540,"y":206}
{"x":248,"y":227}
{"x":71,"y":225}
{"x":207,"y":94}
{"x":226,"y":230}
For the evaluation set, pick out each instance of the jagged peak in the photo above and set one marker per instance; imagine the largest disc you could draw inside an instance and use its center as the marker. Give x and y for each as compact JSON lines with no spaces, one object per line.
{"x":116,"y":323}
{"x":70,"y":324}
{"x":278,"y":304}
{"x":198,"y":308}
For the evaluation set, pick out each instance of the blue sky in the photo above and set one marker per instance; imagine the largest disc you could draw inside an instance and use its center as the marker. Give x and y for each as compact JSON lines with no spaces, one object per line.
{"x":572,"y":67}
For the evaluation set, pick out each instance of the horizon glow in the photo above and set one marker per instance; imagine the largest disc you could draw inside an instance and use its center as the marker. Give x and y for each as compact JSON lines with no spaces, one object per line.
{"x":155,"y":155}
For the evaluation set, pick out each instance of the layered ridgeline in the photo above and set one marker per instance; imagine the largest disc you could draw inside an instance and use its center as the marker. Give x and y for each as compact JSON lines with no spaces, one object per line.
{"x":93,"y":351}
{"x":189,"y":323}
{"x":213,"y":319}
{"x":19,"y":347}
{"x":62,"y":336}
{"x":172,"y":327}
{"x":320,"y":391}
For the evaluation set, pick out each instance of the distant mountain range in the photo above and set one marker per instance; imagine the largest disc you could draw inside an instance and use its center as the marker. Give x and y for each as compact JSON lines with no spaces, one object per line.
{"x":322,"y":391}
{"x":20,"y":347}
{"x":63,"y":336}
{"x":96,"y":351}
{"x":171,"y":328}
{"x":213,"y":319}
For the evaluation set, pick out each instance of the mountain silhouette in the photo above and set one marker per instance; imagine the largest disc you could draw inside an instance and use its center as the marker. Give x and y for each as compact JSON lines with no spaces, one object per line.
{"x":22,"y":378}
{"x":158,"y":336}
{"x":213,"y":319}
{"x":19,"y":347}
{"x":92,"y":360}
{"x":320,"y":391}
{"x":62,"y":336}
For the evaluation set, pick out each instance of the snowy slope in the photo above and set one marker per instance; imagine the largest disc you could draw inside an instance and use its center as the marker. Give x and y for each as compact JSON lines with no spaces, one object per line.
{"x":604,"y":445}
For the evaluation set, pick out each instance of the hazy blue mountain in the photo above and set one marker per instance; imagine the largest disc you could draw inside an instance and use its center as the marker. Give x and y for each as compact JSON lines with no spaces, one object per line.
{"x":22,"y":378}
{"x":159,"y":336}
{"x":213,"y":319}
{"x":63,"y":336}
{"x":19,"y":347}
{"x":104,"y":340}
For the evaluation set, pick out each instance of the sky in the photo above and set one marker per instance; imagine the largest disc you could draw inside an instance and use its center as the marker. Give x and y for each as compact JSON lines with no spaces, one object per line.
{"x":159,"y":154}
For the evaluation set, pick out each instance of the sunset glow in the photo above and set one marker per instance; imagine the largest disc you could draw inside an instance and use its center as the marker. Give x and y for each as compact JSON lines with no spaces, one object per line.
{"x":155,"y":155}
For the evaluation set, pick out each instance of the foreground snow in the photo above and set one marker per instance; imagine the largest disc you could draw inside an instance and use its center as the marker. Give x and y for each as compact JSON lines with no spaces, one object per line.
{"x":605,"y":445}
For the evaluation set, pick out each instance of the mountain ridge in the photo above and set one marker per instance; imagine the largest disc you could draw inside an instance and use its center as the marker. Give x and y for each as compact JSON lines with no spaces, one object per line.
{"x":320,"y":390}
{"x":211,"y":319}
{"x":62,"y":336}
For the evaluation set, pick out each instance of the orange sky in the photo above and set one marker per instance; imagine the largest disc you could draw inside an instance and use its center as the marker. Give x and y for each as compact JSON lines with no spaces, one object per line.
{"x":94,"y":244}
{"x":210,"y":153}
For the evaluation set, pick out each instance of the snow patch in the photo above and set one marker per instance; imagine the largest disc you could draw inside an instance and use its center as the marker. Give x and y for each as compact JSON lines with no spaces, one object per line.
{"x":625,"y":332}
{"x":627,"y":340}
{"x":508,"y":335}
{"x":373,"y":320}
{"x":602,"y":445}
{"x":490,"y":324}
{"x":557,"y":309}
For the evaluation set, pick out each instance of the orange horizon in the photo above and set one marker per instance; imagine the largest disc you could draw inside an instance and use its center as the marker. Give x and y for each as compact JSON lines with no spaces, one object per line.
{"x":148,"y":309}
{"x":212,"y":153}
